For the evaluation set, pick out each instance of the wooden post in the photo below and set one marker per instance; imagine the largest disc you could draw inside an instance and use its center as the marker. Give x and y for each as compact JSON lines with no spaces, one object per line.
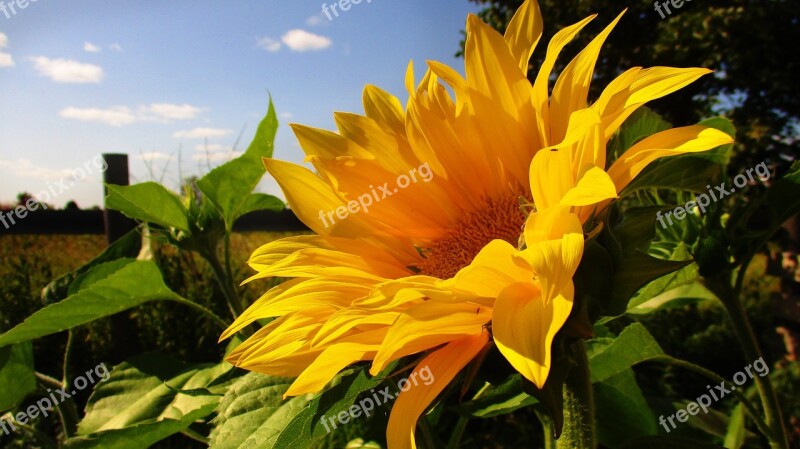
{"x":124,"y":341}
{"x":116,"y":173}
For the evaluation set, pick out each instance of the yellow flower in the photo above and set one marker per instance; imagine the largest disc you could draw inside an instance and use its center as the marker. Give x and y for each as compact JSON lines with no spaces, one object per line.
{"x":434,"y":266}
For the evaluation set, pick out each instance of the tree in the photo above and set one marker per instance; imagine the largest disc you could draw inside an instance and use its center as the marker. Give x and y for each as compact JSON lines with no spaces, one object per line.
{"x":751,"y":45}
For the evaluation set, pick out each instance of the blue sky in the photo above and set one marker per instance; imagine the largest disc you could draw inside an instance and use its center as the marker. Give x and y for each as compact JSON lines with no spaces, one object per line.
{"x":163,"y":79}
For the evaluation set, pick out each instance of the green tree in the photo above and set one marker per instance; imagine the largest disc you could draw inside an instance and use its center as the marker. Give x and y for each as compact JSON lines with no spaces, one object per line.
{"x":750,"y":44}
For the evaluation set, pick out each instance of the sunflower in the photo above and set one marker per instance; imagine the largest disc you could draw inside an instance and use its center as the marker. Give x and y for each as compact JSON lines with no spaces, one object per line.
{"x":442,"y":268}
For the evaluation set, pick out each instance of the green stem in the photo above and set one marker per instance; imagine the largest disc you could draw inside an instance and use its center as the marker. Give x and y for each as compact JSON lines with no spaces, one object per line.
{"x":578,"y":405}
{"x":65,"y":380}
{"x":547,"y":429}
{"x":211,"y":315}
{"x":67,"y":411}
{"x":714,"y":377}
{"x":225,"y":283}
{"x":461,"y":425}
{"x":731,"y":300}
{"x":427,"y":434}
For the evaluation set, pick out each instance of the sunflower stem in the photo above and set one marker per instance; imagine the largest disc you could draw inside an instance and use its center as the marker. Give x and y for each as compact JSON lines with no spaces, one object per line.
{"x":578,"y":430}
{"x":730,"y":296}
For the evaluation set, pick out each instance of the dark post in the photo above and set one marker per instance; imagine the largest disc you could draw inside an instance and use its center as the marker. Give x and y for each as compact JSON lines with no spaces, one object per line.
{"x":124,"y":340}
{"x":116,"y":173}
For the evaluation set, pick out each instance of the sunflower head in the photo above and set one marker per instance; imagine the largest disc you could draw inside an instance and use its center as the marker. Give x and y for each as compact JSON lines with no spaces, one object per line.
{"x":483,"y":250}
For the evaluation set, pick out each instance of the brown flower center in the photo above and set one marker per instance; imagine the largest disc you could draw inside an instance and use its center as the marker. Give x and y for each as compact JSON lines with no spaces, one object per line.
{"x":497,"y":219}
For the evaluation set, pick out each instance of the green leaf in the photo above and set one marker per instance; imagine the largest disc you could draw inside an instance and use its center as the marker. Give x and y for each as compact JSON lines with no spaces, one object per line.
{"x":499,"y":400}
{"x":637,"y":227}
{"x":261,"y":201}
{"x":17,"y":379}
{"x":147,"y":399}
{"x":148,"y":202}
{"x":229,"y":185}
{"x":667,"y":442}
{"x":98,"y":273}
{"x":306,"y":430}
{"x":126,"y":247}
{"x":642,"y":123}
{"x":685,"y":172}
{"x":625,"y":413}
{"x":133,"y":284}
{"x":139,"y":436}
{"x":253,"y":413}
{"x":150,"y":387}
{"x":610,"y":357}
{"x":676,"y":297}
{"x":635,"y":272}
{"x":734,"y":438}
{"x":253,"y":416}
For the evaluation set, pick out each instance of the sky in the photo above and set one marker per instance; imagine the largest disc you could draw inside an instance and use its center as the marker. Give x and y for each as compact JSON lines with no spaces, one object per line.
{"x":180,"y":86}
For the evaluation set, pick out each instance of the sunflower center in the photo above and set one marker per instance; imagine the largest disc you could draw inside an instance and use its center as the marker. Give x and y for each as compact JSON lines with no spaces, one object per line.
{"x":499,"y":218}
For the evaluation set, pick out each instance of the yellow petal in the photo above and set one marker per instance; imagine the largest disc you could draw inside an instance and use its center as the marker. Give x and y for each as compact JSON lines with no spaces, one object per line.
{"x":385,"y":109}
{"x":335,"y":358}
{"x":492,"y":270}
{"x":428,"y":325}
{"x":572,"y":87}
{"x":551,"y":177}
{"x":441,"y":366}
{"x":594,"y":187}
{"x":541,"y":87}
{"x":524,"y":32}
{"x":635,"y":87}
{"x":688,"y":139}
{"x":524,"y":326}
{"x":555,"y":260}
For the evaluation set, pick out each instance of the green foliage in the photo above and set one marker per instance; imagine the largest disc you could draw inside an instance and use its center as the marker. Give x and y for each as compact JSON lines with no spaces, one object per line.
{"x":149,"y":398}
{"x":229,"y":185}
{"x":117,"y":287}
{"x":149,"y":202}
{"x":16,"y":374}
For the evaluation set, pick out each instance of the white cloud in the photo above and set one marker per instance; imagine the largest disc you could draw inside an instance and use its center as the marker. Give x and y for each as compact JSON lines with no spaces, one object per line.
{"x":286,"y":115}
{"x":115,"y":116}
{"x":301,"y":40}
{"x":91,"y":48}
{"x":115,"y":47}
{"x":123,"y":115}
{"x":314,"y":21}
{"x":202,"y":133}
{"x":168,"y":112}
{"x":155,"y":156}
{"x":67,"y":70}
{"x":269,"y":44}
{"x":6,"y":60}
{"x":216,"y":157}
